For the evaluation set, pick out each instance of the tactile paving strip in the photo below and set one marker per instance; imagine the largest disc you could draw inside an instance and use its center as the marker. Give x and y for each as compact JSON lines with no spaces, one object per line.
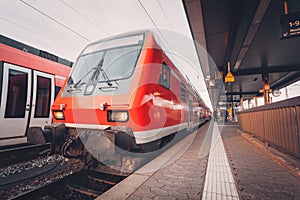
{"x":219,"y":182}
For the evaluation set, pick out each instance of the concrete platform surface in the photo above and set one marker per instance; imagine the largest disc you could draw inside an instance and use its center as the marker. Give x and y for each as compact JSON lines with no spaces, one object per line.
{"x":214,"y":162}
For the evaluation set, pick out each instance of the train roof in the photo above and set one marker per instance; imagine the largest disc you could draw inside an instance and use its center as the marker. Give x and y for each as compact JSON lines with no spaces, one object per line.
{"x":159,"y":40}
{"x":24,"y":47}
{"x":125,"y":34}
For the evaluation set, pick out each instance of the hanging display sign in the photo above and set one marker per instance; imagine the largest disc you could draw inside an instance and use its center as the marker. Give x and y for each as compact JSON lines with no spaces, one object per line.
{"x":289,"y":25}
{"x":229,"y":78}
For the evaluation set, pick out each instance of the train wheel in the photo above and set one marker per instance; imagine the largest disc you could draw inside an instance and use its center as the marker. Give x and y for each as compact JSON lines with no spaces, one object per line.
{"x":151,"y":146}
{"x":166,"y":140}
{"x":125,"y":141}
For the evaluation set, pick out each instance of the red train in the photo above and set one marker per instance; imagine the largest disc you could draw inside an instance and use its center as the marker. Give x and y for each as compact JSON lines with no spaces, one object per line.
{"x":127,"y":88}
{"x":28,"y":85}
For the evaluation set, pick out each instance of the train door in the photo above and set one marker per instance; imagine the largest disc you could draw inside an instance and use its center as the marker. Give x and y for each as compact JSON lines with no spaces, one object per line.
{"x":15,"y":100}
{"x":42,"y":99}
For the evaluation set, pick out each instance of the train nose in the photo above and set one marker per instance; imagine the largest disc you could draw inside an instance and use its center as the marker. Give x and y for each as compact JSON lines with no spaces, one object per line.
{"x":88,"y":110}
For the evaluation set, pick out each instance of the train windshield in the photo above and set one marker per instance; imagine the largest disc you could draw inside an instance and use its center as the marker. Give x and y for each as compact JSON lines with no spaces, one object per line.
{"x":107,"y":61}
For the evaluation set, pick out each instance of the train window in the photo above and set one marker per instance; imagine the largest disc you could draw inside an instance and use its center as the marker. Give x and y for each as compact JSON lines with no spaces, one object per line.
{"x":164,"y":78}
{"x":120,"y":63}
{"x":17,"y":94}
{"x":1,"y":79}
{"x":109,"y":65}
{"x":183,"y":92}
{"x":57,"y":89}
{"x":43,"y":97}
{"x":190,"y":110}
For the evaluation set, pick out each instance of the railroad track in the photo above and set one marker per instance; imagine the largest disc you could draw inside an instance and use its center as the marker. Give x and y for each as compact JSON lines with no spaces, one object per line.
{"x":84,"y":184}
{"x":19,"y":153}
{"x":65,"y":181}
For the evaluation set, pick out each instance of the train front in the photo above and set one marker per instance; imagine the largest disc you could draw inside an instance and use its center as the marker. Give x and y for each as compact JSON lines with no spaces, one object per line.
{"x":95,"y":101}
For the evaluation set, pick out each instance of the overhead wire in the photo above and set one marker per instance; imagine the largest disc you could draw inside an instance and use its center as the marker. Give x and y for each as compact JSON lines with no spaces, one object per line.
{"x":181,"y":65}
{"x":145,"y":10}
{"x":162,"y":10}
{"x":84,"y":17}
{"x":153,"y":22}
{"x":23,"y":27}
{"x":56,"y":21}
{"x":147,"y":13}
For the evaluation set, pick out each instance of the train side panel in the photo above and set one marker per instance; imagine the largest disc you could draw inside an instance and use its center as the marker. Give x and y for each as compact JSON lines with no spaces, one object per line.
{"x":28,"y":85}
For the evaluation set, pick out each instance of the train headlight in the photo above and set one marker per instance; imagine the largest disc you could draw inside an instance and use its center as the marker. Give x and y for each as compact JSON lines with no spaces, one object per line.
{"x":58,"y":114}
{"x":117,"y":116}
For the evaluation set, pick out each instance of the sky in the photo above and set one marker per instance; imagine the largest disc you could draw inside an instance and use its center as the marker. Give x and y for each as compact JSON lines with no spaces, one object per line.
{"x":65,"y":27}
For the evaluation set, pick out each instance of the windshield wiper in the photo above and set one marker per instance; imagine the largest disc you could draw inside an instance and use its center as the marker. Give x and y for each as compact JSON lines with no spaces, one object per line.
{"x":75,"y":86}
{"x":100,"y":69}
{"x":78,"y":82}
{"x":95,"y":74}
{"x":94,"y":77}
{"x":108,"y":81}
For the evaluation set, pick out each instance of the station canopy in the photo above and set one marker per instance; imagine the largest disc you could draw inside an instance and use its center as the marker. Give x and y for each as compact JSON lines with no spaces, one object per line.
{"x":259,"y":38}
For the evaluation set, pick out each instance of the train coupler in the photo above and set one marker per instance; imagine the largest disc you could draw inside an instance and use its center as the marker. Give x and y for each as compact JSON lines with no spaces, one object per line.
{"x":71,"y":148}
{"x":54,"y":134}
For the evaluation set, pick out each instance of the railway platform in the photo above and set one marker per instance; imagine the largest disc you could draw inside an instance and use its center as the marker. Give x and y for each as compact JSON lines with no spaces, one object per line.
{"x":216,"y":161}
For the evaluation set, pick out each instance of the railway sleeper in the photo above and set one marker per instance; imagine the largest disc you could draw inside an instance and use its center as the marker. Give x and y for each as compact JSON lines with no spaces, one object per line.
{"x":102,"y":181}
{"x":84,"y":190}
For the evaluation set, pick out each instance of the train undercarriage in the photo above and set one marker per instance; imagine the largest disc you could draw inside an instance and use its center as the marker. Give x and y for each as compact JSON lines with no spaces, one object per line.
{"x":114,"y":147}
